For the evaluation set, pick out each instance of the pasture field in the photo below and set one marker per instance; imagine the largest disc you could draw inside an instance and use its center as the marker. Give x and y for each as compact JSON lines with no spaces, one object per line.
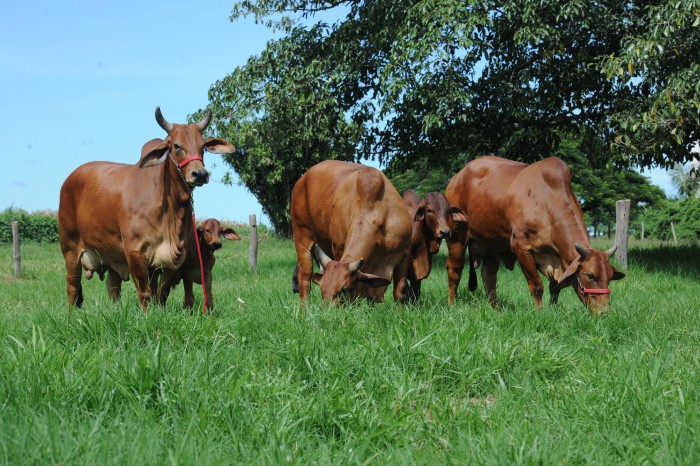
{"x":263,"y":381}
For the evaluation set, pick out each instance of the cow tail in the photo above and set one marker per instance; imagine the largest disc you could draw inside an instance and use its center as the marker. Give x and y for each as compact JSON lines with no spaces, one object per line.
{"x":472,"y":271}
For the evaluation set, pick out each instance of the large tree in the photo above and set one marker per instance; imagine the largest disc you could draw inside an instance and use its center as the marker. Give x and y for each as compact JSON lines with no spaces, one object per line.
{"x":438,"y":82}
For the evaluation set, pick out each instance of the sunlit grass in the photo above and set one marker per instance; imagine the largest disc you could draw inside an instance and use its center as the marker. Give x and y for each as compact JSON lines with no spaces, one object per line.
{"x":263,"y":381}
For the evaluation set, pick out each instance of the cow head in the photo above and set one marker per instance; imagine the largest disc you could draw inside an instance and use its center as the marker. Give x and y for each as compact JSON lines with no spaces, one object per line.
{"x":590,"y":274}
{"x":343,"y":279}
{"x":420,"y":261}
{"x":210,"y":233}
{"x":441,"y":220}
{"x":185,"y":145}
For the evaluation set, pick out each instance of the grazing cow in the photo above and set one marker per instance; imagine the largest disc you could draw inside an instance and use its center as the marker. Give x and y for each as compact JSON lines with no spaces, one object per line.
{"x":209,"y":234}
{"x":356,"y":223}
{"x":126,"y":219}
{"x":526,"y":213}
{"x":433,"y":220}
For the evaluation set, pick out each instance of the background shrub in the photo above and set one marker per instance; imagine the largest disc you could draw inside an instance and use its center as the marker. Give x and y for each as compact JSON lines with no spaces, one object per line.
{"x":684,"y":214}
{"x":37,"y":227}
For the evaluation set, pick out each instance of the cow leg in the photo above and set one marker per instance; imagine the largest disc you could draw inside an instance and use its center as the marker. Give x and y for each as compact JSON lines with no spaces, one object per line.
{"x":529,"y":268}
{"x":305,"y":265}
{"x":415,"y":289}
{"x":553,"y":295}
{"x":73,"y":286}
{"x":168,"y":279}
{"x":456,"y":247}
{"x":401,"y":288}
{"x":207,"y":287}
{"x":139,"y":273}
{"x":489,"y":275}
{"x":295,"y":279}
{"x":188,"y":285}
{"x":114,"y":285}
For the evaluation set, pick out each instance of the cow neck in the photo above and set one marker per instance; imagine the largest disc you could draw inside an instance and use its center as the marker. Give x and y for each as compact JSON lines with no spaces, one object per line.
{"x":177,"y":203}
{"x":357,"y":241}
{"x":570,"y":233}
{"x":174,"y":172}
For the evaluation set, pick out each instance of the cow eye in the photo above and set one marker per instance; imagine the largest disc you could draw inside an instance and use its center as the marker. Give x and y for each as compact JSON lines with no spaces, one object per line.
{"x":590,"y":276}
{"x":178,"y":147}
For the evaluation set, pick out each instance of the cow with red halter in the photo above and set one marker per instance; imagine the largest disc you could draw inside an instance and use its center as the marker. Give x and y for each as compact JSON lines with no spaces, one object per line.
{"x":124,"y":220}
{"x":529,"y":214}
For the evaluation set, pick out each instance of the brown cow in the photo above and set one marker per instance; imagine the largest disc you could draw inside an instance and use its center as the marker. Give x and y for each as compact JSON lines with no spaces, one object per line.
{"x":358,"y":226}
{"x":526,"y":213}
{"x":126,"y":219}
{"x":434,"y":219}
{"x":209,"y":234}
{"x":419,"y":261}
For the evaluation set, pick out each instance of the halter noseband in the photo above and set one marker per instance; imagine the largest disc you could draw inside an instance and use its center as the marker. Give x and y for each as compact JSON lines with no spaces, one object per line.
{"x":596,"y":291}
{"x":190,"y":159}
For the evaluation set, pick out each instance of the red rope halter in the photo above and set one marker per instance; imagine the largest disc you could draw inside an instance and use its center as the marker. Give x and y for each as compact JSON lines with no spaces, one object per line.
{"x":201,"y":265}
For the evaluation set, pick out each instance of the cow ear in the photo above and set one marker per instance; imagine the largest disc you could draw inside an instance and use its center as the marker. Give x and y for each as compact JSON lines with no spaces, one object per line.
{"x":420,"y":212}
{"x":569,"y":275}
{"x":218,"y":146}
{"x":373,"y":281}
{"x":617,"y":275}
{"x":316,"y":277}
{"x":230,"y":234}
{"x":154,"y":152}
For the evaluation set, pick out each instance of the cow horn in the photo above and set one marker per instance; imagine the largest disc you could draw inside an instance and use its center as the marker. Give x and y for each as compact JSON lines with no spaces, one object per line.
{"x":204,"y":122}
{"x":323,"y":259}
{"x":611,"y":251}
{"x":357,"y":265}
{"x":165,"y":124}
{"x":582,"y":251}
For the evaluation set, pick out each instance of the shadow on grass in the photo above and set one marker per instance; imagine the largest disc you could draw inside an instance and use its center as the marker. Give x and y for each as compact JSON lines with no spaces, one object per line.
{"x":675,"y":260}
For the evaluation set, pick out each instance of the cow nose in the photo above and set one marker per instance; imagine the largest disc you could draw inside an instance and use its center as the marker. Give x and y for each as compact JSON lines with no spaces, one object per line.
{"x":201,"y":176}
{"x":444,"y":234}
{"x":215,"y":246}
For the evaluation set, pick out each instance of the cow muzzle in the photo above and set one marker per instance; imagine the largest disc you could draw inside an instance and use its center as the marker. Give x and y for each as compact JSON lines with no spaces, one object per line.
{"x":198,"y":177}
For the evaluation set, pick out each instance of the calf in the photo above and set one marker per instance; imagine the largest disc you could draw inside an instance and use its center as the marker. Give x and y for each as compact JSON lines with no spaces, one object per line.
{"x":209,"y":234}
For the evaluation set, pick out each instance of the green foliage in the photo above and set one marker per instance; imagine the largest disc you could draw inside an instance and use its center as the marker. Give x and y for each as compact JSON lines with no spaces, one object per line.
{"x":38,"y":227}
{"x":685,"y":215}
{"x":264,"y":382}
{"x":599,"y":188}
{"x":657,"y":62}
{"x":446,"y":79}
{"x":686,"y":181}
{"x":282,"y":112}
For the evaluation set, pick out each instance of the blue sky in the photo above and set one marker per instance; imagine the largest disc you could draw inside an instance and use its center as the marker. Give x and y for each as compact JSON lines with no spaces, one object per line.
{"x":80,"y":80}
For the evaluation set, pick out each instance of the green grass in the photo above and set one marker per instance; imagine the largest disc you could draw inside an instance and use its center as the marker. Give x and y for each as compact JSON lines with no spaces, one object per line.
{"x":264,"y":382}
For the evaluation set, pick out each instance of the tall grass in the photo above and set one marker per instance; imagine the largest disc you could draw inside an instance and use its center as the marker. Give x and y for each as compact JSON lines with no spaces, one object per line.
{"x":263,"y":381}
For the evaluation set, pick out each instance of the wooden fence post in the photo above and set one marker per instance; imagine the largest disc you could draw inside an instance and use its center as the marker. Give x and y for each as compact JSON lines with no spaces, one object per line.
{"x":15,"y":249}
{"x":642,"y":229}
{"x":253,"y":237}
{"x":622,"y":220}
{"x":673,"y":230}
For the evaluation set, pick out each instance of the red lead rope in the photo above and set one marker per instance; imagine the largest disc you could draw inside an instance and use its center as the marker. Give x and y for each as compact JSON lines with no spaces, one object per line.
{"x":201,"y":266}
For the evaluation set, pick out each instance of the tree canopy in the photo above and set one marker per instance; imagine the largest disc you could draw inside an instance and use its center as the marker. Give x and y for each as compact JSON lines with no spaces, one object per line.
{"x":425,"y":83}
